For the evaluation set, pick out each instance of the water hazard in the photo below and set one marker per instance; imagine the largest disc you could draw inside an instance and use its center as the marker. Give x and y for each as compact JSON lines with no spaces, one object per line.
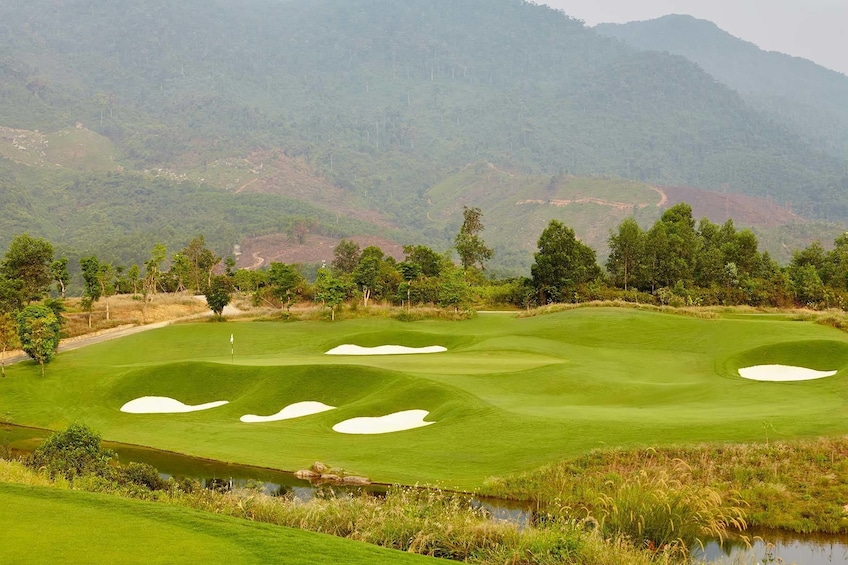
{"x":767,"y":547}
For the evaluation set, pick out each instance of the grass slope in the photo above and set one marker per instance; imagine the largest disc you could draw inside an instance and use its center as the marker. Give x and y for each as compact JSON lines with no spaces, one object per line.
{"x":517,"y":207}
{"x":46,"y":525}
{"x":510,"y":394}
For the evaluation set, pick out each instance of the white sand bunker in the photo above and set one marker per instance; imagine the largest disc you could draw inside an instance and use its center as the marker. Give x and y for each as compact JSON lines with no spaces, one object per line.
{"x":781,"y":373}
{"x":291,"y":411}
{"x":383,"y":350}
{"x":397,"y":422}
{"x":164,"y":405}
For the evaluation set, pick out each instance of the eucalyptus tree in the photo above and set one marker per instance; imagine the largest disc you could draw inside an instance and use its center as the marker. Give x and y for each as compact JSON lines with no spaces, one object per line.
{"x":627,"y":250}
{"x":29,"y":261}
{"x":59,"y":272}
{"x":469,"y":245}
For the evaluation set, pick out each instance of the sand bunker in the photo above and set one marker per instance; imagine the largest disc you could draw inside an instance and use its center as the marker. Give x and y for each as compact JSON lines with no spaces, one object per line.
{"x":383,"y":350}
{"x":291,"y":411}
{"x":164,"y":405}
{"x":397,"y":422}
{"x":781,"y":373}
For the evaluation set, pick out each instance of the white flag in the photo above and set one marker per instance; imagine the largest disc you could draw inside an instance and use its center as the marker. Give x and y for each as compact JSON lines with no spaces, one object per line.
{"x":231,"y":339}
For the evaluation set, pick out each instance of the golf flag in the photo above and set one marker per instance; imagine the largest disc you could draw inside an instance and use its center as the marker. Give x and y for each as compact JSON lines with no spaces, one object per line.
{"x":231,"y":339}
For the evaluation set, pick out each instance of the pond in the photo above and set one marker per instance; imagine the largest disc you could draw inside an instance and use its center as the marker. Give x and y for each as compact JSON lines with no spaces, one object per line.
{"x":767,"y":547}
{"x":771,"y":546}
{"x":219,"y":475}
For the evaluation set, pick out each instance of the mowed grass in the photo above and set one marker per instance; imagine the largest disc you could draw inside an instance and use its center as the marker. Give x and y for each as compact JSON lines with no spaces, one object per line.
{"x":47,"y":525}
{"x":509,"y":395}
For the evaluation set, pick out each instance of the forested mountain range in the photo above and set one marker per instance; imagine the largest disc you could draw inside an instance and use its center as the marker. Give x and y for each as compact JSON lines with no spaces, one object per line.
{"x":382,"y":101}
{"x":811,"y":98}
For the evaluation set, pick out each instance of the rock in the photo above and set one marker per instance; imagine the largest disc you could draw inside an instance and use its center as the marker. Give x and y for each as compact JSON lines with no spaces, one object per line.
{"x":306,"y":474}
{"x":331,"y":478}
{"x":354,"y":480}
{"x":319,"y":467}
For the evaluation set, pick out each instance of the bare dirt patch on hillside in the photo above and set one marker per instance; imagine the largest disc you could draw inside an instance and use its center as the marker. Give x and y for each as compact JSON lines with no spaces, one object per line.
{"x":745,"y":210}
{"x":275,"y":172}
{"x":280,"y":248}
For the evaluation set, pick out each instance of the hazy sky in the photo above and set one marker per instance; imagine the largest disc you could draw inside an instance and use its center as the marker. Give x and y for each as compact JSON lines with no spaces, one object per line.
{"x":813,"y":29}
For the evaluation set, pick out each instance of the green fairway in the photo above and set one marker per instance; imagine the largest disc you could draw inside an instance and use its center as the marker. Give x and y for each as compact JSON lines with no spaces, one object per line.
{"x":48,"y":525}
{"x":510,"y":394}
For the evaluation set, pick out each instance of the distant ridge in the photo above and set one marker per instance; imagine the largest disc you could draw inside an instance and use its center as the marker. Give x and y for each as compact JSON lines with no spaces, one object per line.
{"x":812,"y":98}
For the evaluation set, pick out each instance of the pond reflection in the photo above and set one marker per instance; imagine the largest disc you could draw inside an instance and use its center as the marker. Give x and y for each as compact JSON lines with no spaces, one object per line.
{"x":772,"y":546}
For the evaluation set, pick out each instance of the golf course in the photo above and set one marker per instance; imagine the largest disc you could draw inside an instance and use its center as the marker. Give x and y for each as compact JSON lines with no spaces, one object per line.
{"x":95,"y":528}
{"x":508,"y":393}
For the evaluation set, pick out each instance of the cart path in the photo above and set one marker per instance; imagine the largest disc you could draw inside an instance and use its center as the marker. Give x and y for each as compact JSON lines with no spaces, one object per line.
{"x":121,"y":331}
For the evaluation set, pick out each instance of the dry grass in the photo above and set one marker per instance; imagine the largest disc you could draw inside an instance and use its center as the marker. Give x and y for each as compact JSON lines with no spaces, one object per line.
{"x":126,"y":309}
{"x":800,"y":486}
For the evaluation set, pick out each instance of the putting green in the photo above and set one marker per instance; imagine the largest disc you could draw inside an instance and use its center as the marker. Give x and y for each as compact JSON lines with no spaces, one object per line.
{"x":510,"y":394}
{"x":47,"y":525}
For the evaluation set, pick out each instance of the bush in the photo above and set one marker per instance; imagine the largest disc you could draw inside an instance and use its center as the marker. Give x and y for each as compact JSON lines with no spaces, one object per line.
{"x":71,"y":453}
{"x":141,"y":474}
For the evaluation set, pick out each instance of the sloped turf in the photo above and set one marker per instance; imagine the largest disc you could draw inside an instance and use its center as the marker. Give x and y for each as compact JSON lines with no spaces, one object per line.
{"x":48,"y":525}
{"x":510,"y":394}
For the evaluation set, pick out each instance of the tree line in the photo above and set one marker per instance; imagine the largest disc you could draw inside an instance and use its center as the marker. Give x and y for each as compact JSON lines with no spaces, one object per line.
{"x":677,"y":261}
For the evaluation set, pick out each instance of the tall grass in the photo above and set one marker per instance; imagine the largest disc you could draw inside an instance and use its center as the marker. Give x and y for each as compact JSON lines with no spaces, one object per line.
{"x":427,"y":522}
{"x":800,"y":486}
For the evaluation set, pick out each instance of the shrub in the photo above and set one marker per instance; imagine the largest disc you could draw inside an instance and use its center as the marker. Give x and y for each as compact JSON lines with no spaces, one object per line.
{"x":141,"y":474}
{"x":71,"y":453}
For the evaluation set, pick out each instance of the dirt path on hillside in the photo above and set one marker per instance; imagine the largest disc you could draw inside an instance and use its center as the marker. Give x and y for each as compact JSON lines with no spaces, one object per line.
{"x":115,"y":333}
{"x":245,"y":185}
{"x":258,"y":261}
{"x":663,"y":197}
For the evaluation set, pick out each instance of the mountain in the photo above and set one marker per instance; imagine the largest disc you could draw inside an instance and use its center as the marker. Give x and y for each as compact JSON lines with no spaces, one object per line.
{"x":813,"y":99}
{"x":361,"y":109}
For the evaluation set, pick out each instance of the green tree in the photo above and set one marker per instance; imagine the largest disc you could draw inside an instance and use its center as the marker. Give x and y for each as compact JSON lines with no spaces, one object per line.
{"x":10,"y":294}
{"x":250,"y":281}
{"x":133,"y":277}
{"x":834,"y":272}
{"x":284,"y":281}
{"x":454,"y":290}
{"x":561,"y":263}
{"x":469,"y":245}
{"x":346,"y":256}
{"x":28,"y":261}
{"x":201,"y":260}
{"x":367,"y":273}
{"x":8,"y":338}
{"x":806,"y":285}
{"x":677,"y":262}
{"x":331,"y":290}
{"x":152,"y":274}
{"x":38,"y":333}
{"x":106,"y":280}
{"x":59,"y":272}
{"x":627,"y":249}
{"x":98,"y":281}
{"x":428,"y":261}
{"x":219,"y":294}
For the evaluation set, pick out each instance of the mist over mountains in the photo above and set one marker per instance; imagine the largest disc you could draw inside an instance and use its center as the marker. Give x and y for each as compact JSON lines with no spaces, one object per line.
{"x":813,"y":100}
{"x":383,"y":100}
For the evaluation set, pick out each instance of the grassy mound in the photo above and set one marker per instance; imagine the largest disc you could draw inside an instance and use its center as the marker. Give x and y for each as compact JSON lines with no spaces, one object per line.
{"x":46,"y":525}
{"x":821,"y":355}
{"x":510,"y":394}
